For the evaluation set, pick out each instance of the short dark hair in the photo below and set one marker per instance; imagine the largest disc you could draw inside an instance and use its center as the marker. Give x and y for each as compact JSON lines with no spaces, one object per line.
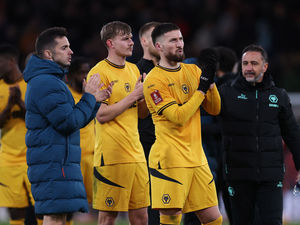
{"x":227,"y":58}
{"x":46,"y":39}
{"x":161,"y":29}
{"x":256,"y":48}
{"x":9,"y":51}
{"x":112,"y":29}
{"x":146,"y":27}
{"x":75,"y":65}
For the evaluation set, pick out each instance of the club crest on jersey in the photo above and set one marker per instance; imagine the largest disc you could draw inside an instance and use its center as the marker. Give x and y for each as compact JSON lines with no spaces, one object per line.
{"x":156,"y":97}
{"x":185,"y":88}
{"x":166,"y":198}
{"x":109,"y":201}
{"x":127,"y":87}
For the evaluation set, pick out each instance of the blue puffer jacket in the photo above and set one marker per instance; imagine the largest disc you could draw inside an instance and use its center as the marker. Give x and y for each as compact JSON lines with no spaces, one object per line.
{"x":53,"y":122}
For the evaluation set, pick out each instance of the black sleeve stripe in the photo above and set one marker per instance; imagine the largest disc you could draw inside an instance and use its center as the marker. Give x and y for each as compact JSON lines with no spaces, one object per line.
{"x":159,"y":112}
{"x":104,"y":102}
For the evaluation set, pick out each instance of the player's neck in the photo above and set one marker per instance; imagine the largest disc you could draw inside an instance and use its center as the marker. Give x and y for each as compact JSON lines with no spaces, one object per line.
{"x":168,"y":64}
{"x":116,"y":59}
{"x":148,"y":56}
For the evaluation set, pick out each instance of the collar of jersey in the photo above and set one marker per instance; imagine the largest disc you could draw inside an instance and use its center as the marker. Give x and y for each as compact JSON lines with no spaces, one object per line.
{"x":168,"y":69}
{"x":114,"y":65}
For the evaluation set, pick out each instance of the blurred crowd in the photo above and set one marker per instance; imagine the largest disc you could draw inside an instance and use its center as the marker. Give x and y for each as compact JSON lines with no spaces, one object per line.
{"x":233,"y":23}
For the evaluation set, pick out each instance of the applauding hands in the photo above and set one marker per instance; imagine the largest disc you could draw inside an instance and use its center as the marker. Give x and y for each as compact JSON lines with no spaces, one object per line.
{"x":93,"y":86}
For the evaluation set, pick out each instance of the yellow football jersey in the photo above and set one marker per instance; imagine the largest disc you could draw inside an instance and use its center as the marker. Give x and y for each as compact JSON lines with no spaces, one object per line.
{"x":173,"y":102}
{"x":87,"y":133}
{"x":117,"y":141}
{"x":13,"y":147}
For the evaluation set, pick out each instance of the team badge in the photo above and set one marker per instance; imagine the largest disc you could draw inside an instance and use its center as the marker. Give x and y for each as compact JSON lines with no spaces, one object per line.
{"x":156,"y":97}
{"x":109,"y":201}
{"x":185,"y":88}
{"x":166,"y":198}
{"x":273,"y":99}
{"x":127,"y":87}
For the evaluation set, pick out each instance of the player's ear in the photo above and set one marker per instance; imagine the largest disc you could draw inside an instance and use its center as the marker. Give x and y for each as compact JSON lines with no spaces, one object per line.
{"x":143,"y":41}
{"x":157,"y":45}
{"x":266,"y":67}
{"x":47,"y":54}
{"x":109,"y":43}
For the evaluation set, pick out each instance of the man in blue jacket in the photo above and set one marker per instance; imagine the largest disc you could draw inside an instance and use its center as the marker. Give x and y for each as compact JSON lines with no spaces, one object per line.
{"x":53,"y":122}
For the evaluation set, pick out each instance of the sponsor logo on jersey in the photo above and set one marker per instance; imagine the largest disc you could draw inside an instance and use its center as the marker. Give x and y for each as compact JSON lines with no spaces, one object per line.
{"x":166,"y":198}
{"x":109,"y":201}
{"x":156,"y":97}
{"x":185,"y":88}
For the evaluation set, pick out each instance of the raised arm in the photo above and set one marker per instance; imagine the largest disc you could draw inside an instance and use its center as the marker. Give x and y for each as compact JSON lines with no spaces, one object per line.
{"x":212,"y":101}
{"x":54,"y":103}
{"x":158,"y":96}
{"x":107,"y":113}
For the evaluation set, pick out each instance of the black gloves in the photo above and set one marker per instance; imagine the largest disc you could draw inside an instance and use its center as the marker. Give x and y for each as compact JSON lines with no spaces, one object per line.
{"x":207,"y":61}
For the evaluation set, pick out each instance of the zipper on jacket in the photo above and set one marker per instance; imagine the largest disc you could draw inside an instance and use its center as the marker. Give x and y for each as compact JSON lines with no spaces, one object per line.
{"x":257,"y":118}
{"x":257,"y":128}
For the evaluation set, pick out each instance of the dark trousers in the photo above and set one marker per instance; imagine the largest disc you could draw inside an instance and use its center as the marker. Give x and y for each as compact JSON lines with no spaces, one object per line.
{"x":266,"y":196}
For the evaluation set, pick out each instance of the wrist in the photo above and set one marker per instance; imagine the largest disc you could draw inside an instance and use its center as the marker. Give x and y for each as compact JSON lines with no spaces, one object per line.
{"x":201,"y":92}
{"x":134,"y":96}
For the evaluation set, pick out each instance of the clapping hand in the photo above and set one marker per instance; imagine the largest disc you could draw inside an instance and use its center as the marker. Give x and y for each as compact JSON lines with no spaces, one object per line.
{"x":207,"y":61}
{"x":94,"y":85}
{"x":138,"y":90}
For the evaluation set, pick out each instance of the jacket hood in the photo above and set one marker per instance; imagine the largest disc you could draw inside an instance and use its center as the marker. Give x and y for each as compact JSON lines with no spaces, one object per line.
{"x":37,"y":66}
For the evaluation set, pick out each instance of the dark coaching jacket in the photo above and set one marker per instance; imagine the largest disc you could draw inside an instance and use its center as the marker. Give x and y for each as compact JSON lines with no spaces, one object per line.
{"x":53,"y":122}
{"x":254,"y":121}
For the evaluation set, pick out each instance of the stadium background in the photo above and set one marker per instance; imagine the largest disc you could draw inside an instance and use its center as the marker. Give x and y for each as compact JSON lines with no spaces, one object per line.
{"x":204,"y":23}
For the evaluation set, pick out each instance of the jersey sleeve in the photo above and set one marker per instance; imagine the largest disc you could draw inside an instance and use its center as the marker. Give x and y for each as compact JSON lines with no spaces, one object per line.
{"x":157,"y":94}
{"x":103,"y":78}
{"x":212,"y":101}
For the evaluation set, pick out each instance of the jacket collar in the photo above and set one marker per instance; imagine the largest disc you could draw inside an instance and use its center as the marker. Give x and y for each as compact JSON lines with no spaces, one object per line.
{"x":245,"y":85}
